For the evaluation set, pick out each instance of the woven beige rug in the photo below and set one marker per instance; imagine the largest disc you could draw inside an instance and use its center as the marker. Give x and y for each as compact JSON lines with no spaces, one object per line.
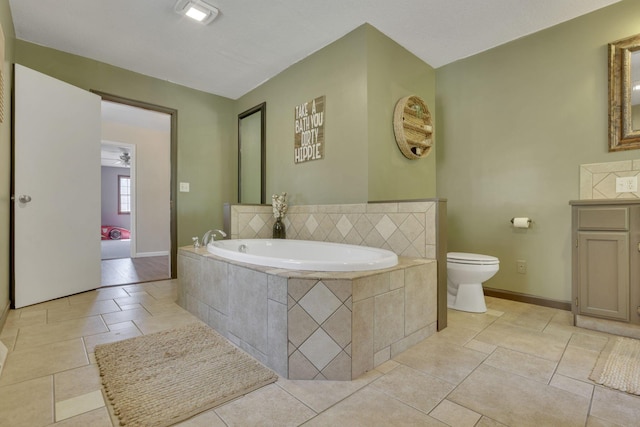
{"x":618,"y":365}
{"x":163,"y":378}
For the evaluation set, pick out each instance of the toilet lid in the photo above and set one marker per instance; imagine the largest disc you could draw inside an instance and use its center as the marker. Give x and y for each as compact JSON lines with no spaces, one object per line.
{"x":477,"y":259}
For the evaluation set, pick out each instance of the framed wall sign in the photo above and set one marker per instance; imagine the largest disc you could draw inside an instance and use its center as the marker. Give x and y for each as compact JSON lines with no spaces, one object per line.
{"x":308,"y":142}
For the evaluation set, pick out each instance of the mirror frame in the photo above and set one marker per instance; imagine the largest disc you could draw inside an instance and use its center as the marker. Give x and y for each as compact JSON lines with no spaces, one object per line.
{"x":622,"y":136}
{"x":262,"y":108}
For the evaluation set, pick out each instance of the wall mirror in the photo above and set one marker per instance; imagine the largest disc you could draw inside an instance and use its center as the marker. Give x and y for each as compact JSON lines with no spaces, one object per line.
{"x":624,"y":94}
{"x":252,"y":155}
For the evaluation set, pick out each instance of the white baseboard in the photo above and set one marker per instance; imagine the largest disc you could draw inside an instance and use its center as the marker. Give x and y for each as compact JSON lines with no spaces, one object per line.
{"x":150,"y":254}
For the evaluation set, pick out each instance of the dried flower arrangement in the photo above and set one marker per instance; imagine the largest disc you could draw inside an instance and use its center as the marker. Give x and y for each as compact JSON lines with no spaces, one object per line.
{"x":279,"y":203}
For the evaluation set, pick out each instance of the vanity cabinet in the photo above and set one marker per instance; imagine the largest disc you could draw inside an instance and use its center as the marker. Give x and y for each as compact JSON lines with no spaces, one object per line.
{"x":606,"y":259}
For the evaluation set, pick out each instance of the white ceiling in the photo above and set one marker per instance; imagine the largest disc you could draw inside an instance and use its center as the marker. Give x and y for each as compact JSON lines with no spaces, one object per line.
{"x":253,"y":40}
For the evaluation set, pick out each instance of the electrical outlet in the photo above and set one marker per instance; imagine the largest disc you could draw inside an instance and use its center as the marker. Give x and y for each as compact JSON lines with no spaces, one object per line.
{"x":627,"y":184}
{"x":521,"y":266}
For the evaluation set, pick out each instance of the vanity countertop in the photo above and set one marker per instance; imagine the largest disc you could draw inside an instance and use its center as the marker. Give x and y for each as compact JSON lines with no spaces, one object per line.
{"x":601,"y":202}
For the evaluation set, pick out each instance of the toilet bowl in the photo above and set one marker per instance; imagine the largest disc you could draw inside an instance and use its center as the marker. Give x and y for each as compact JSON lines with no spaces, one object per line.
{"x":465,"y":274}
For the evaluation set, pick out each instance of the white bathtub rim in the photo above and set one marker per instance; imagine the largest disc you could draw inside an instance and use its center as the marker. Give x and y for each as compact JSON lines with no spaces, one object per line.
{"x":383,"y":257}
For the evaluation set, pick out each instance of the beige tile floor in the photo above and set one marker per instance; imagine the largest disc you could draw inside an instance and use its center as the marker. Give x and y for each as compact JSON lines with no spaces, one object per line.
{"x":516,"y":365}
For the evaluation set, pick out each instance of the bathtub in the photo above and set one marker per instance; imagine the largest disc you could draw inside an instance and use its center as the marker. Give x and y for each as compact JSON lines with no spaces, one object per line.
{"x":305,"y":325}
{"x":304,"y":254}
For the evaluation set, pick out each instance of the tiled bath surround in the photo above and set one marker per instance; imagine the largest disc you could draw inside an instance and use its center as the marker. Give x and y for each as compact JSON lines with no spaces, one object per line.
{"x":406,"y":228}
{"x":598,"y":180}
{"x":312,"y":325}
{"x":319,"y":325}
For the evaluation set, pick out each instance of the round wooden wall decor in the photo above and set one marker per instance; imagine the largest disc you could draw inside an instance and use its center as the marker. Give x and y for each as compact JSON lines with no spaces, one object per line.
{"x":412,"y":127}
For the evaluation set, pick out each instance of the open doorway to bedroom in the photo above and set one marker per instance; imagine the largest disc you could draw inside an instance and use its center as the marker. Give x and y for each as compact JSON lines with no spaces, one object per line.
{"x":117,"y":169}
{"x":135,"y":227}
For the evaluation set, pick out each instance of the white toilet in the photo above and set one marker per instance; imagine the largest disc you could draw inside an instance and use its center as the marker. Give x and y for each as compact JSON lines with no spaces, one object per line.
{"x":465,"y":274}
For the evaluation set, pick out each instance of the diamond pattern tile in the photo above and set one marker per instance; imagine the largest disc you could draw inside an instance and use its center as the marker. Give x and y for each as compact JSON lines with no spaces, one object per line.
{"x":398,"y":218}
{"x":320,"y":302}
{"x":411,"y":228}
{"x":301,"y":368}
{"x":404,"y":228}
{"x":299,"y":287}
{"x":320,"y":349}
{"x":256,"y":223}
{"x":598,"y":180}
{"x":339,"y":369}
{"x":398,"y":242}
{"x":607,"y":186}
{"x":311,"y":224}
{"x":326,"y":225}
{"x":300,"y":325}
{"x":363,"y":226}
{"x":340,"y":288}
{"x":344,"y":226}
{"x":338,"y":326}
{"x":386,"y":227}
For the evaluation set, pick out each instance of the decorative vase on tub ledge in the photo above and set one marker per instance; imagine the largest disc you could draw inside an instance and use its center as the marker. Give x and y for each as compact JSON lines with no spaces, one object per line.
{"x":278,"y":230}
{"x":279,"y":203}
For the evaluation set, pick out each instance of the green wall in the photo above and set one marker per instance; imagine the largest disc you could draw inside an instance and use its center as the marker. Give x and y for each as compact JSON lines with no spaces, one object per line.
{"x":338,"y":72}
{"x":393,"y":73}
{"x":5,"y":155}
{"x":514,"y":124}
{"x":362,"y":75}
{"x":206,"y":123}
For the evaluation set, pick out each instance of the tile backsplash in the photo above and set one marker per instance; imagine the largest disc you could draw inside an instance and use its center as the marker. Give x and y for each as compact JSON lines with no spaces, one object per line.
{"x":598,"y":180}
{"x":406,"y":228}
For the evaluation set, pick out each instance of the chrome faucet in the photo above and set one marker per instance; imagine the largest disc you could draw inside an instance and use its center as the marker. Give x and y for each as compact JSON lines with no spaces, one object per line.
{"x":210,"y":236}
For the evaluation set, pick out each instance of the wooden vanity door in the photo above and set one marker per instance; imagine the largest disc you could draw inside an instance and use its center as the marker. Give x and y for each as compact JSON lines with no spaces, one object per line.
{"x":603,"y":274}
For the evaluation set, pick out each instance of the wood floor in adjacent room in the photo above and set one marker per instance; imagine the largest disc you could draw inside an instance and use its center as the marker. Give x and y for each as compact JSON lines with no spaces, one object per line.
{"x":124,"y":271}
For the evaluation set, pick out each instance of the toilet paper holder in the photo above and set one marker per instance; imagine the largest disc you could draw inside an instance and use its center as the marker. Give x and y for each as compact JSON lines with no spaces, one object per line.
{"x":528,"y":221}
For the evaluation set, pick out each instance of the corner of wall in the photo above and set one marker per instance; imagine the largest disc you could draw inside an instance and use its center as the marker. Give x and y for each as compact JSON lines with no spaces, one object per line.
{"x":392,"y":73}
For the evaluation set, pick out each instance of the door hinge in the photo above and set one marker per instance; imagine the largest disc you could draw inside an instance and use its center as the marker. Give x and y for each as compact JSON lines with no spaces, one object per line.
{"x":577,"y":243}
{"x":576,"y":302}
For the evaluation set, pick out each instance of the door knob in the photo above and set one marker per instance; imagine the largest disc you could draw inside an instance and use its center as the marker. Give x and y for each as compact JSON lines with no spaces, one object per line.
{"x":24,"y":198}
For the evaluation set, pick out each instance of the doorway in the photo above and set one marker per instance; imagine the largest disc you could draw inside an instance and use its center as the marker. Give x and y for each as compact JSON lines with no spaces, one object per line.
{"x":118,"y":183}
{"x":138,"y":214}
{"x":55,"y":187}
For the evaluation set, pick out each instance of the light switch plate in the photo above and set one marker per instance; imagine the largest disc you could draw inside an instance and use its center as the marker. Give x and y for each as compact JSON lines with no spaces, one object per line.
{"x":627,"y":184}
{"x":184,"y":187}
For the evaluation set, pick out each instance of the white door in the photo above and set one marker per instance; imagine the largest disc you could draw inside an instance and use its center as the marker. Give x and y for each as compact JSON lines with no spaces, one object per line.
{"x":56,"y":189}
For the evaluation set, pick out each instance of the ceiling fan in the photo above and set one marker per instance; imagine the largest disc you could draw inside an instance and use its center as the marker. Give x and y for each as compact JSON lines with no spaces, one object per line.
{"x":115,"y":156}
{"x":125,"y":159}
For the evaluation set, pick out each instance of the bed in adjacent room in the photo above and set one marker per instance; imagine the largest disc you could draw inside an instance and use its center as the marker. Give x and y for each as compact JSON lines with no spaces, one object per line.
{"x":115,"y":242}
